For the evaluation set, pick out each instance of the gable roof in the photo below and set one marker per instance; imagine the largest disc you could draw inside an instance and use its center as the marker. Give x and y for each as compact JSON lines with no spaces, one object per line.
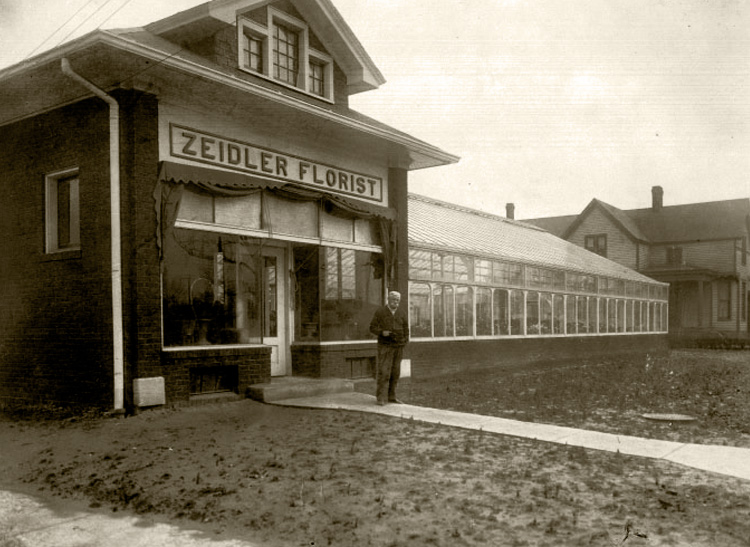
{"x":136,"y":57}
{"x":321,"y":16}
{"x":438,"y":225}
{"x":554,"y":225}
{"x":715,"y":220}
{"x":695,"y":221}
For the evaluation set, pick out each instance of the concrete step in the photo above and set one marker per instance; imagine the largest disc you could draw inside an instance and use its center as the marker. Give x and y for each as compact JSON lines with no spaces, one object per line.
{"x":296,"y":387}
{"x":213,"y":398}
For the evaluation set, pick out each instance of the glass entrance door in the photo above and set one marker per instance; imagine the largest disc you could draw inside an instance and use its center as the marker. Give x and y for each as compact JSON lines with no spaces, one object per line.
{"x":274,"y":308}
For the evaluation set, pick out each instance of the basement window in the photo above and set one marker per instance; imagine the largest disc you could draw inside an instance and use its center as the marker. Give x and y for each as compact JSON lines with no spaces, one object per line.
{"x":280,"y":51}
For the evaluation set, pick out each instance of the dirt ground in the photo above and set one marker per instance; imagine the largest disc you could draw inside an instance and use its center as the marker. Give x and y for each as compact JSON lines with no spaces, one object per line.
{"x":294,"y":477}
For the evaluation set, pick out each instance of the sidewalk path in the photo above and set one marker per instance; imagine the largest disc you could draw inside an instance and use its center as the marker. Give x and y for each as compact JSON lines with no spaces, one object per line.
{"x":718,"y":459}
{"x":28,"y":522}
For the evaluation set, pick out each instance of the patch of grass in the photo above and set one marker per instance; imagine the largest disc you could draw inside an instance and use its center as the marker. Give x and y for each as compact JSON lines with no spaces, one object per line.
{"x":611,"y":394}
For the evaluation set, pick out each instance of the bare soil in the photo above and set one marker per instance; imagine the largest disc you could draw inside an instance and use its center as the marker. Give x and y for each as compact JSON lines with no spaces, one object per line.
{"x":294,"y":477}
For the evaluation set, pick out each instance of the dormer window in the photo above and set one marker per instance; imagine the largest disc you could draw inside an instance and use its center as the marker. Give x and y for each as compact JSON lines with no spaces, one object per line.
{"x":285,"y":55}
{"x":280,"y":51}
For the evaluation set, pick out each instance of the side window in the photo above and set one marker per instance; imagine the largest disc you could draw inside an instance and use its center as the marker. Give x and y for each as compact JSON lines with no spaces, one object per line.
{"x":62,"y":211}
{"x":596,"y":244}
{"x":724,"y":299}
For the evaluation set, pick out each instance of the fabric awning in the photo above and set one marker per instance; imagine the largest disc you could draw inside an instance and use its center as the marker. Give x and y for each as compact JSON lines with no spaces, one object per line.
{"x":227,"y":183}
{"x":214,"y":181}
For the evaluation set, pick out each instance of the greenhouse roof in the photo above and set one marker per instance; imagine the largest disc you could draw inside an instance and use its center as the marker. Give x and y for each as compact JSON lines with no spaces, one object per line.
{"x":439,"y":225}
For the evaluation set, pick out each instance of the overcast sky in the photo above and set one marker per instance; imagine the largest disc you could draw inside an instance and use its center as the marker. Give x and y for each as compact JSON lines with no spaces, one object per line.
{"x":549,"y":103}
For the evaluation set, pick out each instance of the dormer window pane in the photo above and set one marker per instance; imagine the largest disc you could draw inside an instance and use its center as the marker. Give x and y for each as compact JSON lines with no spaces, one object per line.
{"x":254,"y":53}
{"x":286,"y":54}
{"x":317,"y":78}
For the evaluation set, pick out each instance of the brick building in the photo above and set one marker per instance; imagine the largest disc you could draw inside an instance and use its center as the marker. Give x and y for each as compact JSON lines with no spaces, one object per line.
{"x":192,"y":208}
{"x":194,"y":205}
{"x":700,"y":249}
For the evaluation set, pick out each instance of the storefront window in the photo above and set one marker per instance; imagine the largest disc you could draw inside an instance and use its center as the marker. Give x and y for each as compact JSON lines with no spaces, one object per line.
{"x":306,"y":293}
{"x":212,"y":287}
{"x":501,"y":312}
{"x":484,"y":312}
{"x":464,"y":311}
{"x":420,"y":311}
{"x":351,"y":293}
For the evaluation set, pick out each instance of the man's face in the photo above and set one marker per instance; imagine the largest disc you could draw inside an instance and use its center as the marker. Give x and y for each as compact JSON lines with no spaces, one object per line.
{"x":393,"y":300}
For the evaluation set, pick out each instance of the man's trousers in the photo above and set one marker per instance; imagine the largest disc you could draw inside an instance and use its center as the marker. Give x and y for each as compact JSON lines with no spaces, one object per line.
{"x":388,"y":371}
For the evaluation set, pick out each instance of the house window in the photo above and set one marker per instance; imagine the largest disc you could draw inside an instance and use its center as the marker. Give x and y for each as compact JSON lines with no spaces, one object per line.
{"x":743,"y":301}
{"x":62,"y":211}
{"x":317,"y":79}
{"x":674,"y":256}
{"x":253,"y":52}
{"x":724,"y":299}
{"x":596,"y":244}
{"x":340,"y":274}
{"x":280,"y":51}
{"x":285,"y":55}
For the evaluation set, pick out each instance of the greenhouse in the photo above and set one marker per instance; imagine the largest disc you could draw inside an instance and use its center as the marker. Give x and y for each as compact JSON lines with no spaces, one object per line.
{"x":478,"y":277}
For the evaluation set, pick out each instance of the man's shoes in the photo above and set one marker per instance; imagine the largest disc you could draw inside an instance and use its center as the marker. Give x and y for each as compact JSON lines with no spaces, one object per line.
{"x":395,"y":401}
{"x":380,"y":403}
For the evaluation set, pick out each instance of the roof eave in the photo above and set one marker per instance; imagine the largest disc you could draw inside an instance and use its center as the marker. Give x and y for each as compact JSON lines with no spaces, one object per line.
{"x":425,"y":154}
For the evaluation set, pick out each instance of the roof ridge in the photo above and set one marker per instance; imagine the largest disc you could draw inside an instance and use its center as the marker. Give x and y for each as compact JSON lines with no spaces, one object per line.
{"x":477,"y":212}
{"x":697,"y":203}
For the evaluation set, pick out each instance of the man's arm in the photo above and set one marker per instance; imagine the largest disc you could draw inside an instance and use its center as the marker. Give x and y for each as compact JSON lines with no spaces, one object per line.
{"x":376,"y":325}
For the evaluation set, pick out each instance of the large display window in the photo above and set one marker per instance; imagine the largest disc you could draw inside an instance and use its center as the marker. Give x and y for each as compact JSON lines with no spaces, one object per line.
{"x":212,"y":287}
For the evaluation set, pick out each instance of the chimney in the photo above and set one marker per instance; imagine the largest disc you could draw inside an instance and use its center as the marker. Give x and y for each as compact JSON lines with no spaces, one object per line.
{"x":510,"y":211}
{"x":657,"y":198}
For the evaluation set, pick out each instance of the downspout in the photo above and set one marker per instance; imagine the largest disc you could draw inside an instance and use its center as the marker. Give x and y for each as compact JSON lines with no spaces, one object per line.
{"x":116,"y":259}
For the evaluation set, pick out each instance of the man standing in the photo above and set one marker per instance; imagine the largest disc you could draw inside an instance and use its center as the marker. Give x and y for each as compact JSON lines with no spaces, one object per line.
{"x":391,"y":326}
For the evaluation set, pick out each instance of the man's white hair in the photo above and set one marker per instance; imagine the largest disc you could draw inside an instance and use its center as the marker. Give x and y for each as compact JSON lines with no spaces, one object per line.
{"x":394,"y":293}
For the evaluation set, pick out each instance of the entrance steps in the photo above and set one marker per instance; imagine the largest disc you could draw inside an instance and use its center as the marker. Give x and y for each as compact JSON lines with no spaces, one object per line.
{"x":296,"y":387}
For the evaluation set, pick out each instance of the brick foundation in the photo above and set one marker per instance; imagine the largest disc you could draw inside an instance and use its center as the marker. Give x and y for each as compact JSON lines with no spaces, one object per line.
{"x":252,"y":364}
{"x":334,"y":361}
{"x":435,"y":358}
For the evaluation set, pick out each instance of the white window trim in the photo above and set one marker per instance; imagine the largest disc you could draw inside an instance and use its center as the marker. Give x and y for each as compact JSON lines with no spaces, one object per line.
{"x":306,"y":53}
{"x":51,"y":227}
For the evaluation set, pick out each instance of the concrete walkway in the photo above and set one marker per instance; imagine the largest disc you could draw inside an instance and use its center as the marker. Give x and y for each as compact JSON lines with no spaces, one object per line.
{"x":718,"y":459}
{"x":26,"y":521}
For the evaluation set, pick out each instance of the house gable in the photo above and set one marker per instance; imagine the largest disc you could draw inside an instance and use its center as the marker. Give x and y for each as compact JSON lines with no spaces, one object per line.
{"x":597,"y":220}
{"x":328,"y":62}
